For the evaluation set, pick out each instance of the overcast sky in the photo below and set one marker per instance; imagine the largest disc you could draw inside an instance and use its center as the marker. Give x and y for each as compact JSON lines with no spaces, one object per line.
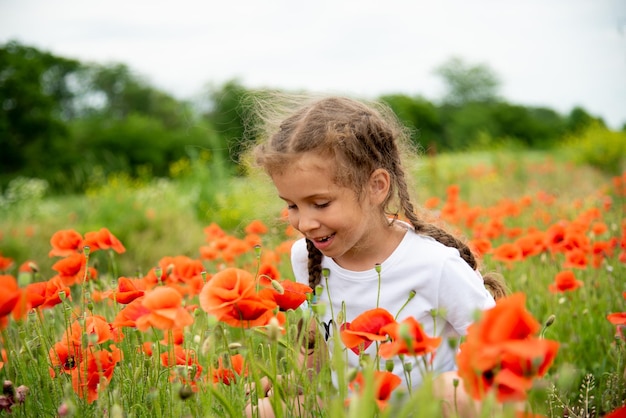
{"x":554,"y":53}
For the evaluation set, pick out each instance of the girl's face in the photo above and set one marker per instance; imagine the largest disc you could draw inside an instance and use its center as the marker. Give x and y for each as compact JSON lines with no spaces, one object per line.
{"x":339,"y":224}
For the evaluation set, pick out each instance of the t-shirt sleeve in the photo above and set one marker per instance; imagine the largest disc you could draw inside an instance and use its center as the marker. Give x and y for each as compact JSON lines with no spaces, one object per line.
{"x":462,"y":294}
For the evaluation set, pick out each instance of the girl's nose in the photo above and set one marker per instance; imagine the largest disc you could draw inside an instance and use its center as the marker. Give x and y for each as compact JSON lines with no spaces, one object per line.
{"x":307,"y":222}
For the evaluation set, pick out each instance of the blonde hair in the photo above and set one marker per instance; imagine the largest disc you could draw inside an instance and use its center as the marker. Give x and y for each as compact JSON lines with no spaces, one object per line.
{"x":361,"y":138}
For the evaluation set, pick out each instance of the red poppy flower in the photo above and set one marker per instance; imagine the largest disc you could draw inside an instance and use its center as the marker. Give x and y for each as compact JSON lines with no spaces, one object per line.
{"x":231,"y":296}
{"x":617,"y":413}
{"x":385,"y":383}
{"x":5,"y":263}
{"x":407,"y":337}
{"x":128,"y":316}
{"x":564,"y":281}
{"x":10,"y":295}
{"x":287,"y":294}
{"x":71,"y":269}
{"x":228,"y":373}
{"x":95,"y":327}
{"x":182,"y":357}
{"x":618,"y":318}
{"x":93,"y":375}
{"x":480,"y":246}
{"x":256,"y":227}
{"x":164,"y":310}
{"x":127,"y":290}
{"x":103,"y":240}
{"x":366,"y":328}
{"x":502,"y":353}
{"x":64,"y":357}
{"x":508,"y":253}
{"x":65,"y":242}
{"x":575,"y":258}
{"x":47,"y":294}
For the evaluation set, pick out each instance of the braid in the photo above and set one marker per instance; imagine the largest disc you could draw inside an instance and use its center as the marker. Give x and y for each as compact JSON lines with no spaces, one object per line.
{"x":492,"y":282}
{"x":315,"y":265}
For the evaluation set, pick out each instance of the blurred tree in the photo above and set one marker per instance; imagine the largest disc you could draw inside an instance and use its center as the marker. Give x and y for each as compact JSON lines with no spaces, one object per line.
{"x":230,"y":114}
{"x":421,"y":117}
{"x":466,"y":84}
{"x":35,"y":93}
{"x":579,"y":120}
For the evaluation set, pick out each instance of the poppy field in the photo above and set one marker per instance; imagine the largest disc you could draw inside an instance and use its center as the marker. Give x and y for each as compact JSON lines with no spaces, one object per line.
{"x":215,"y":325}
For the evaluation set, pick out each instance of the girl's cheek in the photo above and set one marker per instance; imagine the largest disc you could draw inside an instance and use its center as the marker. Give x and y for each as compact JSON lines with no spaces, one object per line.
{"x":293,"y":221}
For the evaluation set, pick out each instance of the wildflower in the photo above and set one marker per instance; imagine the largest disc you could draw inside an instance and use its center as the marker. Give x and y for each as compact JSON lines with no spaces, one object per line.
{"x":385,"y":382}
{"x":480,"y":246}
{"x":91,"y":377}
{"x":366,"y":328}
{"x":94,"y":325}
{"x":127,"y":290}
{"x":182,"y":357}
{"x":231,"y":296}
{"x":617,"y":413}
{"x":292,"y":296}
{"x":65,"y":242}
{"x":5,"y":263}
{"x":103,"y":240}
{"x":502,"y":353}
{"x":64,"y":356}
{"x":564,"y":281}
{"x":575,"y":258}
{"x":407,"y":337}
{"x":10,"y":294}
{"x":128,"y":316}
{"x":71,"y":269}
{"x":228,"y":373}
{"x":164,"y":310}
{"x":256,"y":227}
{"x":508,"y":253}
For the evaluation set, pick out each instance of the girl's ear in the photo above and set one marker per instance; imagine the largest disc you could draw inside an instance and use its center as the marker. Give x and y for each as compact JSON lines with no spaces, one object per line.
{"x":379,"y":185}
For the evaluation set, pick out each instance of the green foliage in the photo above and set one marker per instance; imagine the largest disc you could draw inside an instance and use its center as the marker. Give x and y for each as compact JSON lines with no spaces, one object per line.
{"x":468,"y":83}
{"x":599,"y":147}
{"x":420,"y":116}
{"x":34,"y":93}
{"x":230,"y":114}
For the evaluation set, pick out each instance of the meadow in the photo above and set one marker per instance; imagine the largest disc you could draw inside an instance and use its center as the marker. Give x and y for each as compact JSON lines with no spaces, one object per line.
{"x":141,"y":322}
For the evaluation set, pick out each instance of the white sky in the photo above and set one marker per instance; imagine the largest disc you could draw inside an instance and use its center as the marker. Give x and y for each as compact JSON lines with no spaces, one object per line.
{"x":554,"y":53}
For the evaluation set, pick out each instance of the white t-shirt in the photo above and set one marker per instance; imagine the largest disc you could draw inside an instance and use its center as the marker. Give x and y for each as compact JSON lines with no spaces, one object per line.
{"x":442,"y":280}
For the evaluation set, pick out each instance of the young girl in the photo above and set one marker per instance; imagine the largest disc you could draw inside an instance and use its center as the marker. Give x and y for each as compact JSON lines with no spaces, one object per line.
{"x":336,"y":163}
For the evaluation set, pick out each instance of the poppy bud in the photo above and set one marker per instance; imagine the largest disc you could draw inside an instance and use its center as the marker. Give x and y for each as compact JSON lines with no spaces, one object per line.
{"x":278,"y":287}
{"x":86,"y":251}
{"x":389,"y":365}
{"x":116,"y":411}
{"x":185,"y":392}
{"x":8,"y":389}
{"x":273,"y":329}
{"x":378,"y":268}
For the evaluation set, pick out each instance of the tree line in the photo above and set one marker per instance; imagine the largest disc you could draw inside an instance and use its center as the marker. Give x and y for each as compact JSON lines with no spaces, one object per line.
{"x":63,"y":120}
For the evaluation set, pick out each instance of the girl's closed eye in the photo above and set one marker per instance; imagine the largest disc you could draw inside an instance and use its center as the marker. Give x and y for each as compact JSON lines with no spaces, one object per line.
{"x":322,"y":205}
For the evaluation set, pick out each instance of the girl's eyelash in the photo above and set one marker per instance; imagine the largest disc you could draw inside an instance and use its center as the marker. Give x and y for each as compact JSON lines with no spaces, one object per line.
{"x":322,"y":205}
